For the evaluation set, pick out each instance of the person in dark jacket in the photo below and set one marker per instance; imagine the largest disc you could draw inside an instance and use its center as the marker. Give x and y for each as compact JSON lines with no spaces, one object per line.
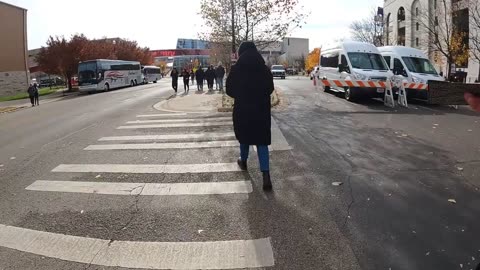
{"x":186,"y":80}
{"x":174,"y":75}
{"x":36,"y":95}
{"x":31,"y":94}
{"x":250,"y":83}
{"x":210,"y":76}
{"x":220,"y":74}
{"x":200,"y":75}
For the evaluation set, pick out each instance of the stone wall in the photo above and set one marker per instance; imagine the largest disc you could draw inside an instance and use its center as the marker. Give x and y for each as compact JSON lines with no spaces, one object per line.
{"x":13,"y":82}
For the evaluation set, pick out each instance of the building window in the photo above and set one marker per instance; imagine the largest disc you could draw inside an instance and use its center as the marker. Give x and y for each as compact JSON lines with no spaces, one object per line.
{"x":417,"y":26}
{"x":416,"y":42}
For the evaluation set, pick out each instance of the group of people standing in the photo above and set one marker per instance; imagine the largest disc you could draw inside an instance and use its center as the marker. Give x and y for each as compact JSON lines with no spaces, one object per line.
{"x":211,"y":75}
{"x":33,"y":94}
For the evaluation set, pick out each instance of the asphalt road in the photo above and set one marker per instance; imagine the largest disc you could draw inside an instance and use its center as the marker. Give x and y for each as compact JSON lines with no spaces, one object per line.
{"x":398,"y":167}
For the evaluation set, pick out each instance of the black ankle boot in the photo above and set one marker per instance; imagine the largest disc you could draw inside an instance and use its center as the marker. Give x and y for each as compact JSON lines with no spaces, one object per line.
{"x":242,"y":164}
{"x":267,"y":183}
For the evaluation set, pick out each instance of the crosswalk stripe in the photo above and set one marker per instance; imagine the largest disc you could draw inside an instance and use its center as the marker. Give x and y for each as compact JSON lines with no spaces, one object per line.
{"x":149,"y":168}
{"x":130,"y":254}
{"x":209,"y":135}
{"x":154,"y":146}
{"x":143,"y":189}
{"x":203,"y":124}
{"x":181,"y":120}
{"x":161,"y":115}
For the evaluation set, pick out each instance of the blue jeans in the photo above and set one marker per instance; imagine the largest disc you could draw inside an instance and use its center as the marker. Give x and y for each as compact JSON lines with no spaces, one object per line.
{"x":263,"y":157}
{"x":220,"y":83}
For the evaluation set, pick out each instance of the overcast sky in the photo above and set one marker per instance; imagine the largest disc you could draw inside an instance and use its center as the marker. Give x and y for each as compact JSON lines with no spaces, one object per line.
{"x":158,"y":23}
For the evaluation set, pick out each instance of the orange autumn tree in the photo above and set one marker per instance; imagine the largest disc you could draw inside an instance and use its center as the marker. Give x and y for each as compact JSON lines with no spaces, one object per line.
{"x":313,"y":59}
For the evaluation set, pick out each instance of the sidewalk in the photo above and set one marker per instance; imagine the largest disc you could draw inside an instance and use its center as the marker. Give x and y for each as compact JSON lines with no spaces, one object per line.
{"x":13,"y":105}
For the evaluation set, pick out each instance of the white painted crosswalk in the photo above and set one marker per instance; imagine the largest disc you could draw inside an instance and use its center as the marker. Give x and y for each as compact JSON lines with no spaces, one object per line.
{"x":234,"y":254}
{"x":151,"y":255}
{"x":177,"y":125}
{"x":194,"y":136}
{"x":143,"y":189}
{"x":152,"y":146}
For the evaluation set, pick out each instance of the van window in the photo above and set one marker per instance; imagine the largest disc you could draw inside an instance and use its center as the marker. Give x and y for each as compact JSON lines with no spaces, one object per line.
{"x":397,"y":64}
{"x":387,"y":59}
{"x":419,"y":65}
{"x":329,"y":60}
{"x":371,"y":61}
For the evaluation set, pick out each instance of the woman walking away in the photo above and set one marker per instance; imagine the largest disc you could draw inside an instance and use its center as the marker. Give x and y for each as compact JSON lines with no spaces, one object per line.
{"x":174,"y":75}
{"x":200,"y":76}
{"x":31,"y":94}
{"x":35,"y":94}
{"x":186,"y":79}
{"x":250,"y":83}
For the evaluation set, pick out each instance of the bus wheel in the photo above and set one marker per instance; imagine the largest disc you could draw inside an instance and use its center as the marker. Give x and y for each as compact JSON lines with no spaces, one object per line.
{"x":350,"y":94}
{"x":136,"y":82}
{"x":155,"y":81}
{"x":132,"y":83}
{"x":106,"y":87}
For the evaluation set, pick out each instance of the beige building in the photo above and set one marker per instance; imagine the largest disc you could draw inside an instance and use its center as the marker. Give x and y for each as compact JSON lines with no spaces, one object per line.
{"x":14,"y":75}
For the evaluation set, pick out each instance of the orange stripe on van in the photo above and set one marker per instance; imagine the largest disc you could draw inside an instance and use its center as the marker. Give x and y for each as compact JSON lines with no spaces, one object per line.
{"x":350,"y":83}
{"x":372,"y":84}
{"x":326,"y":82}
{"x":338,"y":83}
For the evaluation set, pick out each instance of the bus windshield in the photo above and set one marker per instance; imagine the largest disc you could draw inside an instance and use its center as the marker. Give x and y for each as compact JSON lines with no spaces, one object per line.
{"x":419,"y":65}
{"x":367,"y":61}
{"x":87,"y":73}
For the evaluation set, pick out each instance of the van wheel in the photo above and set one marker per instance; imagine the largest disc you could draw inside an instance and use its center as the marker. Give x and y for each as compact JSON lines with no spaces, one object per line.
{"x":350,"y":94}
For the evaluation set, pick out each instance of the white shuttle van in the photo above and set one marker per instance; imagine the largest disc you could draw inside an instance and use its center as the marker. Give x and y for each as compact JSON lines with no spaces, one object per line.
{"x":412,"y":66}
{"x":351,"y":60}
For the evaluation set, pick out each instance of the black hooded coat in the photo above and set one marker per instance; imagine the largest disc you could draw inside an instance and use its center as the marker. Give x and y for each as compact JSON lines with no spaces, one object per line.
{"x":250,"y":83}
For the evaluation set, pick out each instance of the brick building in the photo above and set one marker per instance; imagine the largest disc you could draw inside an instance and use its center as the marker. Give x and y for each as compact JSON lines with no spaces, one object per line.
{"x":14,"y":75}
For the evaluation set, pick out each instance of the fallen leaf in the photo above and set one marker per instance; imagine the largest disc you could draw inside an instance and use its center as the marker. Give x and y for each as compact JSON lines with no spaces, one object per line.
{"x":452,"y":201}
{"x":1,"y":165}
{"x":428,"y":253}
{"x":434,"y":127}
{"x":98,"y":176}
{"x":368,"y":199}
{"x":460,"y":168}
{"x":337,"y":183}
{"x":12,"y":158}
{"x":473,"y":258}
{"x":414,"y":232}
{"x":81,"y":212}
{"x":469,"y":130}
{"x":404,"y":135}
{"x":435,"y":124}
{"x":200,"y":231}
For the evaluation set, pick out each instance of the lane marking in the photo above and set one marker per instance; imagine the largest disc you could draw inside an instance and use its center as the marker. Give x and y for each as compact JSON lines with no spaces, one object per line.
{"x":236,"y":254}
{"x":153,"y":146}
{"x":143,"y":189}
{"x":162,"y":115}
{"x":210,"y":136}
{"x":201,"y":120}
{"x":148,"y":168}
{"x":203,"y":124}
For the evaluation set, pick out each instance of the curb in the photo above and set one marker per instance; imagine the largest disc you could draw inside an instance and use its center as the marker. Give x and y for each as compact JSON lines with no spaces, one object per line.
{"x":159,"y":107}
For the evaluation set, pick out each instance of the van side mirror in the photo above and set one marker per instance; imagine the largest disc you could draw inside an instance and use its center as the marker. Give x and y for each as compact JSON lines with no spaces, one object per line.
{"x":343,"y":67}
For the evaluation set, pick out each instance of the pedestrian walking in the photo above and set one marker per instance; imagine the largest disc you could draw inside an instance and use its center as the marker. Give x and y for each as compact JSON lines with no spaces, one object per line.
{"x":220,"y":74}
{"x":186,"y":80}
{"x":200,"y":75}
{"x":250,"y":83}
{"x":174,"y":75}
{"x":192,"y":76}
{"x":36,"y":95}
{"x":31,"y":94}
{"x":210,"y":76}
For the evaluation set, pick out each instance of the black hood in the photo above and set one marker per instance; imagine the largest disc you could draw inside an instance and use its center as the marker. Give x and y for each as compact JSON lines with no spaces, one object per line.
{"x":251,"y":59}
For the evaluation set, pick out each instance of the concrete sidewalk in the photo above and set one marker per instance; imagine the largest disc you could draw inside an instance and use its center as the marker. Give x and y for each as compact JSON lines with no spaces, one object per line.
{"x":13,"y":105}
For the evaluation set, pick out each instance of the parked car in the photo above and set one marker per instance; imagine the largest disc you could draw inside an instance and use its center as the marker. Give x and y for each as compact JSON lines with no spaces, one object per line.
{"x":351,"y":60}
{"x":278,"y":71}
{"x":411,"y":66}
{"x":292,"y":71}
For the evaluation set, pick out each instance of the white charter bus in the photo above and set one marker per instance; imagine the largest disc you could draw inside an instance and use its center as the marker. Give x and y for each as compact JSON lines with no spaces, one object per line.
{"x":104,"y":75}
{"x":151,"y":74}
